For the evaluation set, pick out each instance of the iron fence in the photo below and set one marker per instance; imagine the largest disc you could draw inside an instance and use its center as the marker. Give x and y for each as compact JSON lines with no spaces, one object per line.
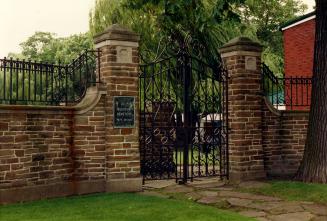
{"x":286,"y":93}
{"x":26,"y":82}
{"x":183,"y":119}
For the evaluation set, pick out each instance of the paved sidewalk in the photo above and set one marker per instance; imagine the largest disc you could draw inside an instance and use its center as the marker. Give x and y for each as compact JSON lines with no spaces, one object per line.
{"x":224,"y":196}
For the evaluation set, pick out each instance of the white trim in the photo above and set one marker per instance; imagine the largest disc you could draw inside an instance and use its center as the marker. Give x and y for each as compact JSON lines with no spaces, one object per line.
{"x":240,"y":53}
{"x":115,"y":42}
{"x":299,"y":22}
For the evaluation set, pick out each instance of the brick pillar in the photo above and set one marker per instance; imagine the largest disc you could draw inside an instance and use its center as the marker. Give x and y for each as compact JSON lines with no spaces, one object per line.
{"x":119,"y":72}
{"x":242,"y":57}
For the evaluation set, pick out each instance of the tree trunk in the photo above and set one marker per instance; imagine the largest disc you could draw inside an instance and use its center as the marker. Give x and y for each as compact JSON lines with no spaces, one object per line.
{"x":314,"y":164}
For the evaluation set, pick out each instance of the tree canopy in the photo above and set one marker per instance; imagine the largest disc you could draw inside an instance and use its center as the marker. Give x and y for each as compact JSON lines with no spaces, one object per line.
{"x":262,"y":20}
{"x":202,"y":26}
{"x":47,"y":47}
{"x":199,"y":26}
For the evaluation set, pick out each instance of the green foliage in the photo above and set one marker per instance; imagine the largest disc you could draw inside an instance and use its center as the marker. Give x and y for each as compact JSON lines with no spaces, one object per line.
{"x":33,"y":86}
{"x":15,"y":56}
{"x":262,"y":19}
{"x":34,"y":45}
{"x":200,"y":26}
{"x":114,"y":207}
{"x":13,"y":90}
{"x":46,"y":47}
{"x":297,"y":191}
{"x":108,"y":12}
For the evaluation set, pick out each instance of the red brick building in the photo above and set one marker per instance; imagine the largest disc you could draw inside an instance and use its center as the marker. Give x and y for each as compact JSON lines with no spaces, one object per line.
{"x":299,"y":37}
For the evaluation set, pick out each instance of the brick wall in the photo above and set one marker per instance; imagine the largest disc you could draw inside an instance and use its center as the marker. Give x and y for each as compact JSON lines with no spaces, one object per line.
{"x":119,"y":69}
{"x":284,"y":135}
{"x":299,"y":56}
{"x":299,"y":49}
{"x":59,"y":151}
{"x":51,"y":151}
{"x":35,"y":149}
{"x":124,"y":146}
{"x":242,"y":59}
{"x":88,"y":146}
{"x":262,"y":140}
{"x":284,"y":132}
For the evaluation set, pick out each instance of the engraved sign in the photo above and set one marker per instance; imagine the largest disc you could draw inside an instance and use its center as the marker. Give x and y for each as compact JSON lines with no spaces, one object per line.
{"x":124,"y":112}
{"x":124,"y":54}
{"x":250,"y":63}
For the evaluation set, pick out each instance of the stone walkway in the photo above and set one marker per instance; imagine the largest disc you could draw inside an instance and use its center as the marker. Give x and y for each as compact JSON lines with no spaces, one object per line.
{"x":221,"y":195}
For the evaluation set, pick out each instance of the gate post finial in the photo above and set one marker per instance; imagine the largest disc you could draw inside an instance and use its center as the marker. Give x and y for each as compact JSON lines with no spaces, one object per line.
{"x":119,"y":72}
{"x":242,"y":58}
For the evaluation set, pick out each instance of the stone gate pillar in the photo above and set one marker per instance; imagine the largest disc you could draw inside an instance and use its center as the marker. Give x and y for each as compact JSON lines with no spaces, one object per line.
{"x":242,"y":57}
{"x":119,"y":72}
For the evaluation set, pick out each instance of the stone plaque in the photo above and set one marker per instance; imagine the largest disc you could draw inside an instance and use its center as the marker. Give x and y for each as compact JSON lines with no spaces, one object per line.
{"x":250,"y":63}
{"x":124,"y":54}
{"x":124,"y":112}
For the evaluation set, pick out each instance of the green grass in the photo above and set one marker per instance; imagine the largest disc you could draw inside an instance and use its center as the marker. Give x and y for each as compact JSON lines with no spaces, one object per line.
{"x":115,"y":207}
{"x":179,"y":159}
{"x":293,"y":191}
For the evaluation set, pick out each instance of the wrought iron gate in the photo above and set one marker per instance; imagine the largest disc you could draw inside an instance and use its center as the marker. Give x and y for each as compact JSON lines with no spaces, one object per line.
{"x":183,"y":119}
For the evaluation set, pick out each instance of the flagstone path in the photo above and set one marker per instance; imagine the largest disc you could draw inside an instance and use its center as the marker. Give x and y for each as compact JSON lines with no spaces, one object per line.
{"x":224,"y":196}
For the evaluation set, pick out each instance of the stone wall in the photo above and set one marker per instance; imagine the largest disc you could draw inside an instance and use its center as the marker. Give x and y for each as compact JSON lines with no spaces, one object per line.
{"x":52,"y":151}
{"x":119,"y":69}
{"x":48,"y":151}
{"x":242,"y":58}
{"x":284,"y":135}
{"x":59,"y":151}
{"x":263,"y":141}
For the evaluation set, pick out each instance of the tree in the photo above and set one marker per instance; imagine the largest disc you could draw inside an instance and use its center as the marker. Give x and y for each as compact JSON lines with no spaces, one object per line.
{"x":314,"y":164}
{"x":67,"y":49}
{"x":205,"y":24}
{"x":108,"y":12}
{"x":201,"y":26}
{"x":46,"y":47}
{"x":198,"y":26}
{"x":261,"y":20}
{"x":34,"y":45}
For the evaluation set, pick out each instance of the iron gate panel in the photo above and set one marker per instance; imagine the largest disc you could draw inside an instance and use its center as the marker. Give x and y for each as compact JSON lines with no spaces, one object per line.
{"x":183,"y":119}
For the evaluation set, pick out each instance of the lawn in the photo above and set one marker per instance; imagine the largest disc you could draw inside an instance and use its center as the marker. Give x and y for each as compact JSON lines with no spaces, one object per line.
{"x":297,"y":191}
{"x":194,"y":155}
{"x":116,"y":207}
